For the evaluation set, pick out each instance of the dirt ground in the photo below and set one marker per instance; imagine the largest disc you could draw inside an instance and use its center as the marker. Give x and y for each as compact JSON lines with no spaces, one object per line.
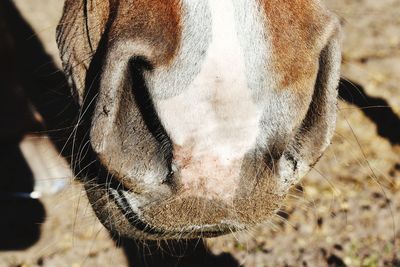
{"x":346,"y":212}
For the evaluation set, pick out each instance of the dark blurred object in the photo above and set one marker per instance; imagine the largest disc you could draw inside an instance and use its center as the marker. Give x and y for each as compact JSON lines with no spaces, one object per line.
{"x":376,"y":109}
{"x":20,"y":222}
{"x":16,"y":117}
{"x":21,"y":215}
{"x":41,"y":81}
{"x":183,"y":253}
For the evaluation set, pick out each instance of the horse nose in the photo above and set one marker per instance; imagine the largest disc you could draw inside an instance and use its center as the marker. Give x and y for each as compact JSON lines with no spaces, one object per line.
{"x":211,"y":174}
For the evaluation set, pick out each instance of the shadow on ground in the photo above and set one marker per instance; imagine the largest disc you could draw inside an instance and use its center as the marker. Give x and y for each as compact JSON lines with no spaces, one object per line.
{"x":376,"y":109}
{"x":193,"y":253}
{"x":21,"y":215}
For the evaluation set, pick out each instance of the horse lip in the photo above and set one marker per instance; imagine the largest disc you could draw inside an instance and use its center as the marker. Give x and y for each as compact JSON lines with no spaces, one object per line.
{"x":206,"y":231}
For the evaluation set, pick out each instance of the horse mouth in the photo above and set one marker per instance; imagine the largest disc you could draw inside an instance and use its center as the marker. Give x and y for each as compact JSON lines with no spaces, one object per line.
{"x":150,"y":231}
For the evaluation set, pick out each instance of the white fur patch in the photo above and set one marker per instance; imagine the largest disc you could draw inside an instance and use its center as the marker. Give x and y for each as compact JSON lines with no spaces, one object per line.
{"x":215,"y":120}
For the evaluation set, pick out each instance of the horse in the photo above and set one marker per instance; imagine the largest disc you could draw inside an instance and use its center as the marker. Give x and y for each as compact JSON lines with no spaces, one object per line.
{"x":195,"y":118}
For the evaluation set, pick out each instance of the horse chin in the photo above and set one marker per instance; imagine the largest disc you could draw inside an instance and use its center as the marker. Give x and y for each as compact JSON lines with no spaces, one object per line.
{"x":130,"y":222}
{"x":180,"y":216}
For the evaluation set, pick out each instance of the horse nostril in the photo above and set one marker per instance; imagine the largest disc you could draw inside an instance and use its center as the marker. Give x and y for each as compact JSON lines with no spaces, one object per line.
{"x":276,"y":149}
{"x":168,"y":180}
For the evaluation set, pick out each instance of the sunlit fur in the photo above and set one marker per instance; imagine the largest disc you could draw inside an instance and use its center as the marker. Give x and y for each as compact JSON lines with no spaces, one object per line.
{"x":200,"y":115}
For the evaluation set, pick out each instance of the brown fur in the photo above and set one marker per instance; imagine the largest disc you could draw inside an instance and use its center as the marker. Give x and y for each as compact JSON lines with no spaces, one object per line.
{"x":81,"y":28}
{"x":155,"y":22}
{"x":296,"y":28}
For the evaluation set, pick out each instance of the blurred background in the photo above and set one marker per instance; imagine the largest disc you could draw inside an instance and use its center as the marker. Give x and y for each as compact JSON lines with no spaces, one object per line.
{"x":346,"y":212}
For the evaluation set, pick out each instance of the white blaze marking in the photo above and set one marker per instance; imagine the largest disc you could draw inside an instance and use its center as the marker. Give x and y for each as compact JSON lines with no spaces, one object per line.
{"x":215,"y":120}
